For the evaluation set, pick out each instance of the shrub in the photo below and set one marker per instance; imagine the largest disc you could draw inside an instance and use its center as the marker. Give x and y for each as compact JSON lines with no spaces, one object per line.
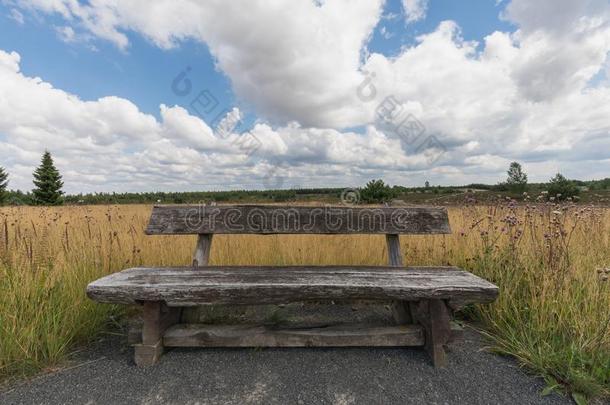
{"x":376,"y":191}
{"x":560,"y":188}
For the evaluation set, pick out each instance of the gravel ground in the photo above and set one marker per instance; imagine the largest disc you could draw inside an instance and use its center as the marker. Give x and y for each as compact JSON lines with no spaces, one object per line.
{"x":105,"y":374}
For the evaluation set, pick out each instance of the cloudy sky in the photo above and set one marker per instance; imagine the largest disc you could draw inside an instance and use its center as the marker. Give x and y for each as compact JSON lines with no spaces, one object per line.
{"x":186,"y":95}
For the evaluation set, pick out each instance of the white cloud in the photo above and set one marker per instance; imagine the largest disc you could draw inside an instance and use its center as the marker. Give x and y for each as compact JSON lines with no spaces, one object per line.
{"x":66,"y":34}
{"x":108,"y":144}
{"x":415,"y":10}
{"x":16,"y":16}
{"x":529,"y":95}
{"x":299,"y":62}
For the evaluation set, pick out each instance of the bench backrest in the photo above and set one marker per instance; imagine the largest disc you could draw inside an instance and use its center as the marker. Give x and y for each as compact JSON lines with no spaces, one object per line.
{"x":272,"y":219}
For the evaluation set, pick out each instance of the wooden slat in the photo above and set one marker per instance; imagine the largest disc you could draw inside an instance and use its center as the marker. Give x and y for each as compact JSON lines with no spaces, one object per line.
{"x":135,"y":333}
{"x":268,"y":219}
{"x":400,"y":309}
{"x":394,"y":253}
{"x":201,"y":257}
{"x":188,"y":286}
{"x":198,"y":335}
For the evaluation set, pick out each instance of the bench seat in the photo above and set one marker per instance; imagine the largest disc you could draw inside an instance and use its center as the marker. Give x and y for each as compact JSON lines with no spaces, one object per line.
{"x":192,"y":286}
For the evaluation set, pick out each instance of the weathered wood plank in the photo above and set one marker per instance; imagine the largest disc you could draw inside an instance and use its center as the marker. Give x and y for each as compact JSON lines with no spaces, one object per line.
{"x":435,"y":317}
{"x":156,"y":317}
{"x":400,"y":309}
{"x":135,"y":332}
{"x":147,"y":355}
{"x":269,"y":219}
{"x":201,"y":257}
{"x":401,"y":312}
{"x":188,"y":286}
{"x":198,"y":335}
{"x":394,"y":253}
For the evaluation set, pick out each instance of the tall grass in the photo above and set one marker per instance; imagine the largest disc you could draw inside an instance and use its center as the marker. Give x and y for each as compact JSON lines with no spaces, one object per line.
{"x":551,"y":263}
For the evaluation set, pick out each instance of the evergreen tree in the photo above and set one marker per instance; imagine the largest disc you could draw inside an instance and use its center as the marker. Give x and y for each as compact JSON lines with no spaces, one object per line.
{"x":517,"y":179}
{"x":3,"y":184}
{"x":376,"y":191}
{"x":48,"y":182}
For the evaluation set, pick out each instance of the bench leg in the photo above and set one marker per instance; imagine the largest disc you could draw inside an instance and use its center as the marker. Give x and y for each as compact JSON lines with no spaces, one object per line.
{"x":435,"y":317}
{"x":156,"y":318}
{"x":401,"y":312}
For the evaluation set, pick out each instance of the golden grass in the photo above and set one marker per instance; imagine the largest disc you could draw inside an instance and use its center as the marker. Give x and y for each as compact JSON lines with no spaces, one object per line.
{"x":553,"y":312}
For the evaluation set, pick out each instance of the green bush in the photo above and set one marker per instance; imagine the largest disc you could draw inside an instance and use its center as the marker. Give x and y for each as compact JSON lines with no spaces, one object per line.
{"x":376,"y":191}
{"x":560,"y":188}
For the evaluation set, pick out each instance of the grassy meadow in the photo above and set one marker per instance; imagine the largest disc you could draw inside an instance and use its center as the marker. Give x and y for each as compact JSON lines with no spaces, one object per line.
{"x":551,"y":262}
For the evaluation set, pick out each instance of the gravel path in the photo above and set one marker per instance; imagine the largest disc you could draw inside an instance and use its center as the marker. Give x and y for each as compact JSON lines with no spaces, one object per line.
{"x":105,"y":374}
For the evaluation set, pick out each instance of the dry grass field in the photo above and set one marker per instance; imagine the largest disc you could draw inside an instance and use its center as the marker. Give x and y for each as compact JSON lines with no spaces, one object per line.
{"x":551,"y":262}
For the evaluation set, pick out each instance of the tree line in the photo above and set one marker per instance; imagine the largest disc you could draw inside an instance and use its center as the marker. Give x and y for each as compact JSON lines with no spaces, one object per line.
{"x":48,"y":186}
{"x":558,"y":188}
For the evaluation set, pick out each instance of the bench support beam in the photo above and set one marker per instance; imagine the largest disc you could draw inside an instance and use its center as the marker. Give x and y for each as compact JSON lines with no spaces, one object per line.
{"x":157,"y":317}
{"x":342,"y":335}
{"x":400,"y":309}
{"x":201,"y":256}
{"x":435,"y":317}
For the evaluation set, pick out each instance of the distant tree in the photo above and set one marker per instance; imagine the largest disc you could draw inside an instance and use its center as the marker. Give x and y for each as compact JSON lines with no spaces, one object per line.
{"x":48,"y":182}
{"x":427,"y":184}
{"x":376,"y":191}
{"x":560,"y":188}
{"x":3,"y":184}
{"x":517,"y":179}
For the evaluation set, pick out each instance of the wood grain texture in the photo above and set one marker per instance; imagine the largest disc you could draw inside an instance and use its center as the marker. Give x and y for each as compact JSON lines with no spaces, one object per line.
{"x":188,"y":286}
{"x":271,"y":219}
{"x":147,"y":355}
{"x":135,"y":332}
{"x":435,"y":317}
{"x":394,"y":253}
{"x":199,"y":335}
{"x":201,"y":257}
{"x":400,"y":309}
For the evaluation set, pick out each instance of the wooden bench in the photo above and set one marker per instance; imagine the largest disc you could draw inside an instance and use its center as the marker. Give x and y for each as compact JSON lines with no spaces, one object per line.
{"x":423,"y":298}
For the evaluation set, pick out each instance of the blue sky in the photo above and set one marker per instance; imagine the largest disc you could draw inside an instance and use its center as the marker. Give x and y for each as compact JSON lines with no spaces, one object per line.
{"x":310,"y":126}
{"x":143,"y":73}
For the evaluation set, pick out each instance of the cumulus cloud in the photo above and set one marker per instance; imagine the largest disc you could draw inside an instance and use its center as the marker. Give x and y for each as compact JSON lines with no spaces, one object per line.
{"x":415,"y":10}
{"x":299,"y":62}
{"x":109,"y":144}
{"x":530,"y":95}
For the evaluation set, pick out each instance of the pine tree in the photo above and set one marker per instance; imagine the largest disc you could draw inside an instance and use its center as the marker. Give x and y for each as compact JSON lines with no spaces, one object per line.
{"x":3,"y":184}
{"x":48,"y":182}
{"x":517,"y":179}
{"x":376,"y":191}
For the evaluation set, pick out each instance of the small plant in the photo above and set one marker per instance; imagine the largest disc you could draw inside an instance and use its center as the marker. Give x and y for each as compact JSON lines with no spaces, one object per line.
{"x":376,"y":191}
